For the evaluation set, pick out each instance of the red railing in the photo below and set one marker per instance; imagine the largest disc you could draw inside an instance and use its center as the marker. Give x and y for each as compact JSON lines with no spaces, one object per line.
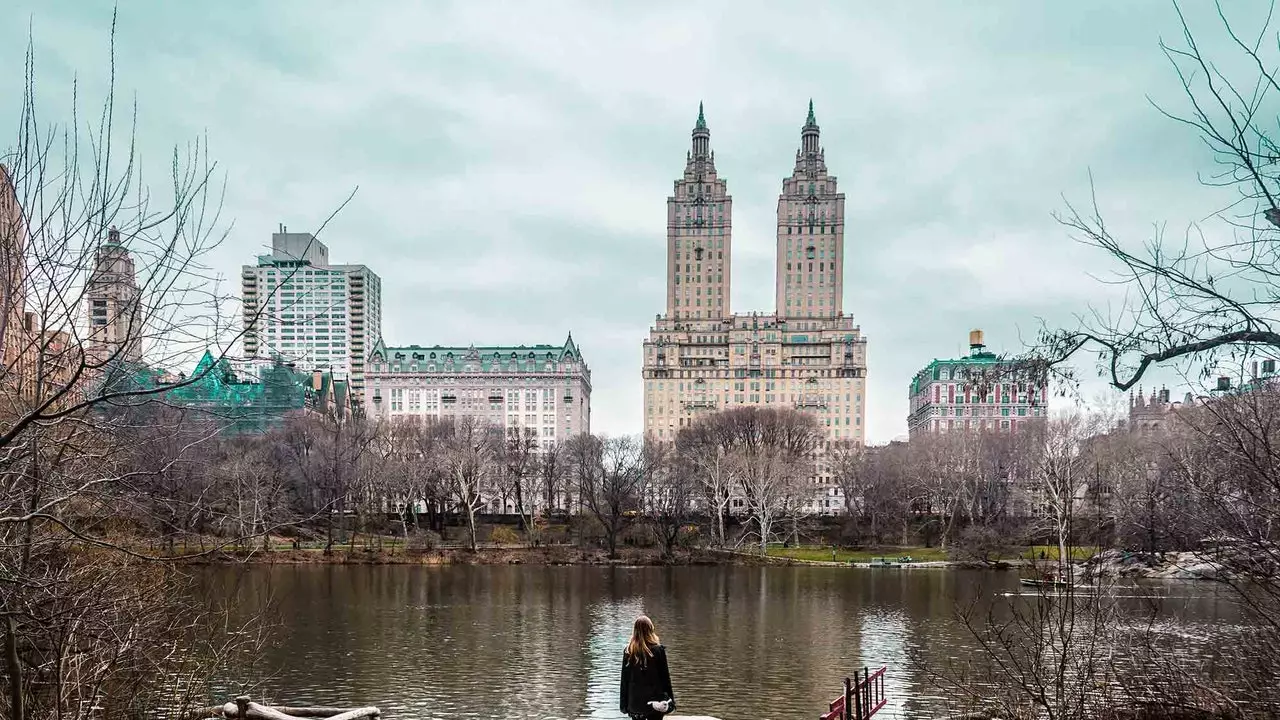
{"x":863,"y":696}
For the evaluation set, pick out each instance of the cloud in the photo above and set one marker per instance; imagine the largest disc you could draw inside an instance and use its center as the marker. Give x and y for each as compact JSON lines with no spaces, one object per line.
{"x":513,"y":159}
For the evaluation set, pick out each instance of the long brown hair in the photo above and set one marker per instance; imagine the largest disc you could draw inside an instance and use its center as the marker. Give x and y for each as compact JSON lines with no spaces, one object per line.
{"x":643,"y":640}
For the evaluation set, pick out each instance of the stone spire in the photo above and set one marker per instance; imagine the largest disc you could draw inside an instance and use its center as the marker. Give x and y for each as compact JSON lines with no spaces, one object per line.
{"x":809,"y":158}
{"x":701,"y":137}
{"x":809,"y":135}
{"x":702,"y":121}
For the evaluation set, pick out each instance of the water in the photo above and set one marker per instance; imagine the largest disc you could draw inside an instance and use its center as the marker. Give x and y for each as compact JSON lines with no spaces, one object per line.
{"x":545,"y":642}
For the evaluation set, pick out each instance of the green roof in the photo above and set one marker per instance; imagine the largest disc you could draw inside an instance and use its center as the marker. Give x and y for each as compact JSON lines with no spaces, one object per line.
{"x":931,"y":371}
{"x":482,"y":358}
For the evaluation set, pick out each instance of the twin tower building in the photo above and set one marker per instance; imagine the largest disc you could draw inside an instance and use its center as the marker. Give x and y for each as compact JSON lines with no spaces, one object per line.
{"x":701,"y":356}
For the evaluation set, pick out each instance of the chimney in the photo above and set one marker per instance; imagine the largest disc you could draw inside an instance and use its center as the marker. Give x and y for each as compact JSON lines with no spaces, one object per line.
{"x":1254,"y":376}
{"x":975,"y":342}
{"x":317,"y":380}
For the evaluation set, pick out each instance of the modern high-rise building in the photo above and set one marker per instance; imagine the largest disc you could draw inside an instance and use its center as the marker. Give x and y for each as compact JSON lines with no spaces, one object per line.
{"x":301,"y":309}
{"x":980,"y":391}
{"x":112,"y":298}
{"x":701,"y":357}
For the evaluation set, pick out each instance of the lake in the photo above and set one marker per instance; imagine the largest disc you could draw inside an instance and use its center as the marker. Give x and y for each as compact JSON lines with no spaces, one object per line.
{"x":545,"y":642}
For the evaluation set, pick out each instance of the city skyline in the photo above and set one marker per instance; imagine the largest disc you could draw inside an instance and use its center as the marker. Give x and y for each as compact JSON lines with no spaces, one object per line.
{"x":514,"y":191}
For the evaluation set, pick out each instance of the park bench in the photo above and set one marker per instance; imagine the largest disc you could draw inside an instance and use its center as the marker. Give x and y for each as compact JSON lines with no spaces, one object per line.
{"x":863,"y":696}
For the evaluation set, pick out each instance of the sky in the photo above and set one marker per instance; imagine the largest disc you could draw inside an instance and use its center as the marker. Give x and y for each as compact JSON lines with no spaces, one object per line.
{"x":511,"y":161}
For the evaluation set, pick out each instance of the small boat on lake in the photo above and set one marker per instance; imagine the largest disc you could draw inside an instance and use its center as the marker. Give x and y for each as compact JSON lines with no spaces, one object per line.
{"x":1046,"y":583}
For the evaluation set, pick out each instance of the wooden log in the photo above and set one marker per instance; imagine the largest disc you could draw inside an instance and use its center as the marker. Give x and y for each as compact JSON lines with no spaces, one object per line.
{"x":364,"y":712}
{"x":204,"y":712}
{"x":262,"y":712}
{"x":267,"y":713}
{"x":311,"y":712}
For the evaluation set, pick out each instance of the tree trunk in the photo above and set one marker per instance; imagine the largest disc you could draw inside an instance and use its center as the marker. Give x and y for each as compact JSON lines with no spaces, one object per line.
{"x":471,"y":526}
{"x":14,"y":664}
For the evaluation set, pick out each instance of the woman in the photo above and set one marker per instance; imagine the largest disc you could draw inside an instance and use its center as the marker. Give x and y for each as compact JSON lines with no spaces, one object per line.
{"x":646,"y":681}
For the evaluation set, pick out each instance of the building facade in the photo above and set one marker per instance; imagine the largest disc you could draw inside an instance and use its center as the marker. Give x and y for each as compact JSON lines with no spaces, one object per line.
{"x":314,"y":315}
{"x":13,"y":268}
{"x":115,"y":318}
{"x":701,"y":357}
{"x":977,"y":392}
{"x":545,"y":389}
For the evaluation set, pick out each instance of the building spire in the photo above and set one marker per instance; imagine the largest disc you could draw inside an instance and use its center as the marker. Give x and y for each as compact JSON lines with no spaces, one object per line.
{"x":702,"y":121}
{"x":809,"y":135}
{"x":701,"y":137}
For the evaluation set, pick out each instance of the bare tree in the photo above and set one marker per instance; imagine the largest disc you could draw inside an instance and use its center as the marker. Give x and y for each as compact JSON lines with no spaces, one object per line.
{"x":705,"y":446}
{"x":520,"y":473}
{"x":608,"y":473}
{"x":105,"y":284}
{"x":669,"y":488}
{"x":1210,"y":296}
{"x":471,"y":469}
{"x":551,"y":473}
{"x":772,"y":460}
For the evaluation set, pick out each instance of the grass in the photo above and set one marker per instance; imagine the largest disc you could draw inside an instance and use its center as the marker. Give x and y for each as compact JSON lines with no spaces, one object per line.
{"x":1051,"y":552}
{"x":845,"y":555}
{"x":918,"y":554}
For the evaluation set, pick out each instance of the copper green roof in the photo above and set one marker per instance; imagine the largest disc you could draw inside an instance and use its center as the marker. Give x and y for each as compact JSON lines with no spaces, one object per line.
{"x":810,"y":120}
{"x":243,"y":404}
{"x":702,"y":121}
{"x":473,"y":358}
{"x":932,"y":370}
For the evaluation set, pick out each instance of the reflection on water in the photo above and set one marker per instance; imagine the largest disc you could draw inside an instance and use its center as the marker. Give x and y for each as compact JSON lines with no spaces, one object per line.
{"x":545,"y":642}
{"x":884,"y":642}
{"x":610,"y":627}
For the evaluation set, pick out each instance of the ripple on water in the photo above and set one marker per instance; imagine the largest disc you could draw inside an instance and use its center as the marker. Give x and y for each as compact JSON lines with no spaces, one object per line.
{"x":545,"y":642}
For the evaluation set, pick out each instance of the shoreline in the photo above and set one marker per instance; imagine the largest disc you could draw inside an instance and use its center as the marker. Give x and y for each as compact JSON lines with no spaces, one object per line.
{"x":555,"y":555}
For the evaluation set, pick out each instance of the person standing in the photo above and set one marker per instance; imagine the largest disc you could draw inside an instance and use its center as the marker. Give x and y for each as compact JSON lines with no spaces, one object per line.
{"x":646,"y":679}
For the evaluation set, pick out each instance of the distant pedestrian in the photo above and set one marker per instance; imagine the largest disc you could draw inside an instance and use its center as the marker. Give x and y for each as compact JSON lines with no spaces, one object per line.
{"x":646,"y":679}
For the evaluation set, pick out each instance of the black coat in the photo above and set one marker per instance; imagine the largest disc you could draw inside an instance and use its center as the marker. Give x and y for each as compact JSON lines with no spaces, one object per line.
{"x":645,"y":681}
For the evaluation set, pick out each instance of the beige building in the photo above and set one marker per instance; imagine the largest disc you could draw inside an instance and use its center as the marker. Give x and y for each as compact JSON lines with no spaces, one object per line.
{"x":115,"y":318}
{"x":701,"y":357}
{"x":543,"y":390}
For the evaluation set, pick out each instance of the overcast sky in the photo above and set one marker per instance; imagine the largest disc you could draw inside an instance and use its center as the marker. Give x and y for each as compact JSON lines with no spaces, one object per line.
{"x":513,"y":159}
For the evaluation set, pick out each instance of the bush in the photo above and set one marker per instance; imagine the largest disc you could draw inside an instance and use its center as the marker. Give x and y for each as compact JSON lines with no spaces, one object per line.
{"x":983,"y":544}
{"x":638,"y":535}
{"x":689,"y":537}
{"x":503,"y":535}
{"x":426,"y":540}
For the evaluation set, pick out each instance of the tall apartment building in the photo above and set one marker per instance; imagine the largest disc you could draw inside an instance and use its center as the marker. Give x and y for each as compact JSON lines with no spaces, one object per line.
{"x":700,"y":357}
{"x":111,"y":295}
{"x":976,"y":392}
{"x":302,"y":309}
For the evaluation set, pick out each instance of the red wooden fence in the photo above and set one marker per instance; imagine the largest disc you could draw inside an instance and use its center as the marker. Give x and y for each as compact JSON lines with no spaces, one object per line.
{"x":863,"y":696}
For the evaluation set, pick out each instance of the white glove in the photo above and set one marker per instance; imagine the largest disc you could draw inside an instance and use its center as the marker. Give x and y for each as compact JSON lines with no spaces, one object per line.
{"x":659,"y":705}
